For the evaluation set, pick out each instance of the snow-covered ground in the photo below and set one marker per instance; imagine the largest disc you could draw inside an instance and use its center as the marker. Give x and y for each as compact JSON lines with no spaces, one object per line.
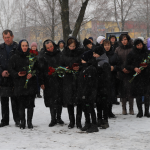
{"x":125,"y":133}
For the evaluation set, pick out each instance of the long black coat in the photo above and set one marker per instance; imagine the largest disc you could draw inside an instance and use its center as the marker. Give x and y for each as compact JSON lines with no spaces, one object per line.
{"x":113,"y":61}
{"x":69,"y":57}
{"x":141,"y":81}
{"x":6,"y":83}
{"x":17,"y":63}
{"x":87,"y":85}
{"x":104,"y":78}
{"x":53,"y":84}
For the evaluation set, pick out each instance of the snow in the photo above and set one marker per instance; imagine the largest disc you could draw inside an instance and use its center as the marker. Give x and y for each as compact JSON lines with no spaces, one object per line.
{"x":125,"y":133}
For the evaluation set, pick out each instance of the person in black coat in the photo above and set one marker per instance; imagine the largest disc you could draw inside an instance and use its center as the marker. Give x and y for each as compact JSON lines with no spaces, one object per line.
{"x":34,"y":48}
{"x":70,"y":56}
{"x":114,"y":63}
{"x":87,"y":45}
{"x":87,"y":91}
{"x":26,"y":96}
{"x":104,"y":84}
{"x":7,"y":49}
{"x":49,"y":83}
{"x":140,"y":84}
{"x":114,"y":42}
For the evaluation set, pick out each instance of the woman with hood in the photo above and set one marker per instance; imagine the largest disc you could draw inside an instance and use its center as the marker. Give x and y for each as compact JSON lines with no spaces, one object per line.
{"x":26,"y":96}
{"x":114,"y":43}
{"x":49,"y":83}
{"x":114,"y":63}
{"x":71,"y":56}
{"x":124,"y":75}
{"x":61,"y":45}
{"x":140,"y":84}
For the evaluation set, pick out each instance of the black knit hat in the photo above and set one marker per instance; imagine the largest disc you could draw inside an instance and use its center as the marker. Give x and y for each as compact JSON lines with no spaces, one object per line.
{"x":86,"y":56}
{"x":99,"y":50}
{"x":86,"y":42}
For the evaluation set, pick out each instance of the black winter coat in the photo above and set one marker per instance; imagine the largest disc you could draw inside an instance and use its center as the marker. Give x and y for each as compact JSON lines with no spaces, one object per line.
{"x":53,"y":84}
{"x":87,"y":85}
{"x":17,"y":63}
{"x":113,"y":61}
{"x":104,"y":77}
{"x":141,"y":81}
{"x":69,"y":57}
{"x":6,"y":83}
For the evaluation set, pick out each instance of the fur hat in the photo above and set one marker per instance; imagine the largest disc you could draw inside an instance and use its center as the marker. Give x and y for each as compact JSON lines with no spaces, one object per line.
{"x":86,"y":42}
{"x":86,"y":56}
{"x":99,"y":50}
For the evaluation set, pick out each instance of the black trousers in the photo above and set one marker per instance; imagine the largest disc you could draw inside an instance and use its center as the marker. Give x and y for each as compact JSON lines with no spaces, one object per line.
{"x":89,"y":111}
{"x":72,"y":115}
{"x":102,"y":109}
{"x":5,"y":109}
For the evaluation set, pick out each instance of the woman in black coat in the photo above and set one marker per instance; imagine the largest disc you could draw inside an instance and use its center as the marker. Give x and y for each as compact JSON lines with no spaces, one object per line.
{"x":140,"y":84}
{"x":49,"y":83}
{"x":87,"y":91}
{"x":114,"y":63}
{"x":26,"y":96}
{"x":71,"y":54}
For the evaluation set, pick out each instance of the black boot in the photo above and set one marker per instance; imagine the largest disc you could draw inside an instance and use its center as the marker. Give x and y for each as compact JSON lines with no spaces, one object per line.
{"x":78,"y":121}
{"x":71,"y":116}
{"x":22,"y":117}
{"x":86,"y":127}
{"x":53,"y":116}
{"x":105,"y":124}
{"x":139,"y":106}
{"x":59,"y":111}
{"x":93,"y":128}
{"x":110,"y":114}
{"x":99,"y":122}
{"x":29,"y":117}
{"x":147,"y":101}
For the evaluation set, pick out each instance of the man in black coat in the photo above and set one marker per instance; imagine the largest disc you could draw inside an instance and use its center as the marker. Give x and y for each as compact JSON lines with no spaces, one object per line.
{"x":114,"y":43}
{"x":6,"y":84}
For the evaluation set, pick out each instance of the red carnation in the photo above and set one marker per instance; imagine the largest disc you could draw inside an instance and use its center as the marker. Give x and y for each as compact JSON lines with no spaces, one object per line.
{"x":31,"y":51}
{"x":35,"y":52}
{"x":49,"y":73}
{"x":143,"y":64}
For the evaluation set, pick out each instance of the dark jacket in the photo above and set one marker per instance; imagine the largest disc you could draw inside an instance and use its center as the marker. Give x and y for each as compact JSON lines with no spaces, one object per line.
{"x":115,"y":62}
{"x":141,"y":81}
{"x":52,"y":92}
{"x":6,"y":83}
{"x":104,"y":77}
{"x":69,"y":57}
{"x":124,"y":87}
{"x":17,"y":63}
{"x":87,"y":85}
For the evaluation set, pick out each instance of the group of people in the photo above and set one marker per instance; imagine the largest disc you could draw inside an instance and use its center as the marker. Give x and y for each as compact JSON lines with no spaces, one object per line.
{"x":98,"y":74}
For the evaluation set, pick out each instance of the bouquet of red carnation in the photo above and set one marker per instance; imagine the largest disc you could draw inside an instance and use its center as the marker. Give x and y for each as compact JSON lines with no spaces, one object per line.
{"x":32,"y":60}
{"x":51,"y":71}
{"x":33,"y":52}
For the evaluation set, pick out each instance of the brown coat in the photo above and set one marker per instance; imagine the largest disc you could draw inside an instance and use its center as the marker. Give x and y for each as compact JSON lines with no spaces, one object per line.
{"x":124,"y":85}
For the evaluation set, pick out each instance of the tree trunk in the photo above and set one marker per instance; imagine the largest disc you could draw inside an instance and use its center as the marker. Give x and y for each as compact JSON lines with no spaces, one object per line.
{"x":65,"y":18}
{"x":53,"y":20}
{"x":147,"y":18}
{"x":80,"y":18}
